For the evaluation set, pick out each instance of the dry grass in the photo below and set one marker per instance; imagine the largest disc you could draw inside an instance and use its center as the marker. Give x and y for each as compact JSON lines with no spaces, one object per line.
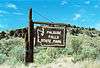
{"x":63,"y":62}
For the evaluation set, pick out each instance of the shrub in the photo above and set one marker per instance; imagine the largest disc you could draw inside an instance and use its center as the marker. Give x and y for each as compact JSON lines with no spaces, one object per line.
{"x":12,"y":48}
{"x":3,"y":58}
{"x":76,"y":45}
{"x":18,"y":53}
{"x":90,"y":52}
{"x":49,"y":54}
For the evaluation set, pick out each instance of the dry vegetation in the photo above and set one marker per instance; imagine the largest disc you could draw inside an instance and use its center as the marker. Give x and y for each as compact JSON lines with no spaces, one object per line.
{"x":81,"y":51}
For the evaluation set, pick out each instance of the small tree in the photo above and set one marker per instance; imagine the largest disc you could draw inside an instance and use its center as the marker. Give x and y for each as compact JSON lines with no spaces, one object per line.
{"x":2,"y":35}
{"x":11,"y":33}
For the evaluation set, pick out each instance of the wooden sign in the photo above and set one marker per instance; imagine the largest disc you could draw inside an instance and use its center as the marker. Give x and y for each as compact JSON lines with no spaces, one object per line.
{"x":50,"y":36}
{"x":44,"y":36}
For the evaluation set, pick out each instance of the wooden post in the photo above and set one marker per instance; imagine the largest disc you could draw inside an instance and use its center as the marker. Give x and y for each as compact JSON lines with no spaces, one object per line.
{"x":29,"y":44}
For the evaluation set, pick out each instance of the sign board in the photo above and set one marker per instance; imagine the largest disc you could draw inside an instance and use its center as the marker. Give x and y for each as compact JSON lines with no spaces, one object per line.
{"x":50,"y":36}
{"x":44,"y":36}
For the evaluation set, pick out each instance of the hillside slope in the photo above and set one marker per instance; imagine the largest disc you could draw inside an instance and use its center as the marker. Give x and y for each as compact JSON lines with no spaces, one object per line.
{"x":81,"y":51}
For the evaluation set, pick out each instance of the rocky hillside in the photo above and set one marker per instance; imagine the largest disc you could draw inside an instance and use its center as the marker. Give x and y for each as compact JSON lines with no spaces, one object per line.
{"x":72,"y":29}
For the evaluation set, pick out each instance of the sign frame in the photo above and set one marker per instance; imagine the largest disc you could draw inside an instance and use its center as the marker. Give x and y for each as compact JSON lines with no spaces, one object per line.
{"x":53,"y":44}
{"x":30,"y":35}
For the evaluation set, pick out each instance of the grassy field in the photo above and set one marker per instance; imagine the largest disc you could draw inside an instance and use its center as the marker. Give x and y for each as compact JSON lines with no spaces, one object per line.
{"x":81,"y":51}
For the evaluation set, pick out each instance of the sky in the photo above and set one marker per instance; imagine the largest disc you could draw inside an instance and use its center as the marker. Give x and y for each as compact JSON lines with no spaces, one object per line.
{"x":83,"y":13}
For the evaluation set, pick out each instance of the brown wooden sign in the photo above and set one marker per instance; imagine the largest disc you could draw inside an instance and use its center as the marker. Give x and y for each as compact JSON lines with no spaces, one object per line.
{"x":44,"y":36}
{"x":50,"y":36}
